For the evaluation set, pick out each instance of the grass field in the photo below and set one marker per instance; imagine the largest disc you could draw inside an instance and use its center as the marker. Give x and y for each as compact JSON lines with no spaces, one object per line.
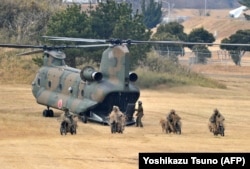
{"x":28,"y":140}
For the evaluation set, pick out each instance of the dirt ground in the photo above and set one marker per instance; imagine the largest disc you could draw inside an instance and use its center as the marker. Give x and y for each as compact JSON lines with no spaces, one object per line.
{"x":29,"y":141}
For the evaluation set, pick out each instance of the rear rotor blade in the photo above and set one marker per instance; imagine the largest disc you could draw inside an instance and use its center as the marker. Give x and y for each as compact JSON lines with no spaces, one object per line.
{"x":189,"y":43}
{"x":118,"y":41}
{"x":87,"y":46}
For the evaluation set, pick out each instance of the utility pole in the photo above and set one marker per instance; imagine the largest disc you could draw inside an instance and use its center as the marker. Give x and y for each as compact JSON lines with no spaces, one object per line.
{"x":205,"y":12}
{"x":168,"y":8}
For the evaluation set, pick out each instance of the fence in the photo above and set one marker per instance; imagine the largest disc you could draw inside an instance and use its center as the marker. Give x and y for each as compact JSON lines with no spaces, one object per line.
{"x":220,"y":57}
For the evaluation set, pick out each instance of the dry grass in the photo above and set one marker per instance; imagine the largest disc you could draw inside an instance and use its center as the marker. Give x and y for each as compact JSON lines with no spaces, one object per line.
{"x":29,"y":141}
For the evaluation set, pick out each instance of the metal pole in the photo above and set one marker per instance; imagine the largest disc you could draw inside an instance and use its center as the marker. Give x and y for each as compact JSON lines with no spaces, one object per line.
{"x":168,"y":9}
{"x":205,"y":14}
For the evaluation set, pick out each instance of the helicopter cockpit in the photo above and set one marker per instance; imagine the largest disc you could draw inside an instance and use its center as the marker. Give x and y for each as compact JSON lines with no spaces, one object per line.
{"x":54,"y":58}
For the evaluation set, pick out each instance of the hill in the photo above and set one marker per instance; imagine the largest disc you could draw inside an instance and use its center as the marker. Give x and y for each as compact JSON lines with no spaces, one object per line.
{"x":218,"y":22}
{"x":190,"y":4}
{"x":210,"y":4}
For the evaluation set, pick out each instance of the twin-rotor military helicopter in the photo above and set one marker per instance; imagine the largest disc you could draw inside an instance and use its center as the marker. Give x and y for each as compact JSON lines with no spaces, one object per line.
{"x":89,"y":93}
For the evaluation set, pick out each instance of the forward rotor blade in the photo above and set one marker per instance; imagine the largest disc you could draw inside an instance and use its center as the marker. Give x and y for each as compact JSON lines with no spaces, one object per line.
{"x":50,"y":47}
{"x":75,"y":39}
{"x":31,"y":52}
{"x":19,"y":46}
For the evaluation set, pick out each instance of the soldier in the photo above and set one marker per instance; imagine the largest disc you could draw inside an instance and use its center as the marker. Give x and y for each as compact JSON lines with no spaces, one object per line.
{"x":213,"y":120}
{"x":121,"y":123}
{"x":139,"y":114}
{"x":114,"y":119}
{"x":170,"y":120}
{"x":68,"y":116}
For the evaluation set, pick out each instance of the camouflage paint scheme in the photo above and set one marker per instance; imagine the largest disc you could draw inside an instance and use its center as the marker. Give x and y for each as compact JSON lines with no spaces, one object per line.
{"x":88,"y":93}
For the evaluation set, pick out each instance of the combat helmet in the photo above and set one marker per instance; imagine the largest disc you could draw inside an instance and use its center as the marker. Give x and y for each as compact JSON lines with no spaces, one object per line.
{"x":172,"y":111}
{"x":216,"y":111}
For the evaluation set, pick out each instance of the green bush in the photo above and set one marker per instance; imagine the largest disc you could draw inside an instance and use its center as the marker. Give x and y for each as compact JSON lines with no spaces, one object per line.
{"x":160,"y":71}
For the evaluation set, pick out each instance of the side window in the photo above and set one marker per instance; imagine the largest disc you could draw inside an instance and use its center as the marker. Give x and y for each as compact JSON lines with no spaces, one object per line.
{"x":38,"y":81}
{"x":49,"y":84}
{"x":60,"y":86}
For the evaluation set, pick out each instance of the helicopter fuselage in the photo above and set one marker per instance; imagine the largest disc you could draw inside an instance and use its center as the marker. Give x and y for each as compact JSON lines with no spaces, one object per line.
{"x":88,"y":92}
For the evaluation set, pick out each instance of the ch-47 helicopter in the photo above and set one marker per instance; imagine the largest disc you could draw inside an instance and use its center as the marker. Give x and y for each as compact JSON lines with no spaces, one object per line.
{"x":89,"y":93}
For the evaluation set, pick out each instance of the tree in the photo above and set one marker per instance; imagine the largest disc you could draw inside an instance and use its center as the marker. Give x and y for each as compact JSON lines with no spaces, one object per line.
{"x":173,"y":28}
{"x":107,"y":20}
{"x":172,"y":31}
{"x":24,"y":21}
{"x":72,"y":22}
{"x":152,"y":13}
{"x":203,"y":36}
{"x":236,"y":52}
{"x":112,"y":20}
{"x":202,"y":52}
{"x":247,"y":4}
{"x":106,"y":16}
{"x":133,"y":28}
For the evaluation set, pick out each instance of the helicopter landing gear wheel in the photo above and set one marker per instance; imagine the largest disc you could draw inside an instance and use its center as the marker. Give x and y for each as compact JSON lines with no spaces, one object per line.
{"x":51,"y":113}
{"x":84,"y":119}
{"x":45,"y":113}
{"x":48,"y":113}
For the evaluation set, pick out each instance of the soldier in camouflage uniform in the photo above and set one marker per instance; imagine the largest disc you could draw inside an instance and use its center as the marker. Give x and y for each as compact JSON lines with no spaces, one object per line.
{"x":68,"y":117}
{"x":214,"y":120}
{"x":139,"y":114}
{"x":170,"y":120}
{"x":115,"y":119}
{"x":121,"y":123}
{"x":69,"y":123}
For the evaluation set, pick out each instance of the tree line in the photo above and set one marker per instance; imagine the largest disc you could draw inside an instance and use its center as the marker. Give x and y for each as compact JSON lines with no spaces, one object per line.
{"x":27,"y":21}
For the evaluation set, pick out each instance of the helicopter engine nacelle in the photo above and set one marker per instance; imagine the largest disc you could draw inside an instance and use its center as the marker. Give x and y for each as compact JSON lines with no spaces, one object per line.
{"x":88,"y":73}
{"x":133,"y":76}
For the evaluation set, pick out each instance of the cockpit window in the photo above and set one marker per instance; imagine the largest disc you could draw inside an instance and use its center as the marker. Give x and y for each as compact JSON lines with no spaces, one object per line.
{"x":57,"y":62}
